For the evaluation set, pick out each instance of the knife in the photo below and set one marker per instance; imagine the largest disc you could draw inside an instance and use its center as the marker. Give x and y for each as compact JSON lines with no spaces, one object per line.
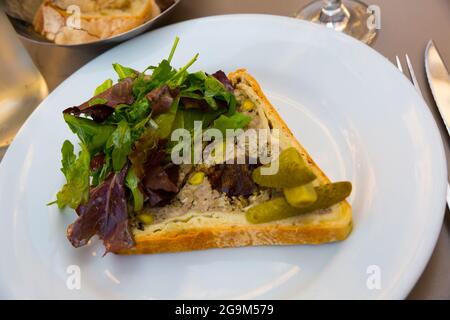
{"x":439,"y":81}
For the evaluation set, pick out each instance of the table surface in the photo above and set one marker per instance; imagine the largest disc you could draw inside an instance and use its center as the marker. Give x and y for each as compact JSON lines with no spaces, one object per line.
{"x":406,"y":27}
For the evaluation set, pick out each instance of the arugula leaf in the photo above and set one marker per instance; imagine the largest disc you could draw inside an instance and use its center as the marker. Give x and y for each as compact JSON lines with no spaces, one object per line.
{"x":96,"y":177}
{"x":100,"y":175}
{"x":160,"y":75}
{"x":186,"y":118}
{"x":181,"y":75}
{"x":236,"y":121}
{"x":120,"y":145}
{"x":124,"y":72}
{"x":68,"y":157}
{"x":165,"y":120}
{"x":140,"y":87}
{"x":231,"y":100}
{"x":200,"y":86}
{"x":76,"y":189}
{"x":197,"y":77}
{"x":94,"y":135}
{"x":136,"y":115}
{"x":192,"y":95}
{"x":213,"y":88}
{"x":174,"y":47}
{"x":209,"y":117}
{"x":132,"y":182}
{"x":121,"y":113}
{"x":97,"y":101}
{"x":139,"y":111}
{"x":103,"y":87}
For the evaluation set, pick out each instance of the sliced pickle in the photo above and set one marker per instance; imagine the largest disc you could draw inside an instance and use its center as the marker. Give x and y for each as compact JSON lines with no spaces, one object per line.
{"x":279,"y":208}
{"x":292,"y":172}
{"x":301,"y":196}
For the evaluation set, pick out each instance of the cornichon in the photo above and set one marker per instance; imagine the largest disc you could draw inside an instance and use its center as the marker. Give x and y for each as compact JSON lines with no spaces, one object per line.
{"x":301,"y":196}
{"x":279,"y":208}
{"x":292,"y":172}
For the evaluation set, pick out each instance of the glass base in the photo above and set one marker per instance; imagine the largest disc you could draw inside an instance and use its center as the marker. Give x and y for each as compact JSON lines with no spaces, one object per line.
{"x":351,"y":18}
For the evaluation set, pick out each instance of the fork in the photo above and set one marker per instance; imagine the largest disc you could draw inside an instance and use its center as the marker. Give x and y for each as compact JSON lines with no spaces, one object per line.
{"x":412,"y":74}
{"x":413,"y":79}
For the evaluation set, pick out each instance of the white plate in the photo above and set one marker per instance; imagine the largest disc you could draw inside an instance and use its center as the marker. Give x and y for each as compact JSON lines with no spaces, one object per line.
{"x":357,"y":115}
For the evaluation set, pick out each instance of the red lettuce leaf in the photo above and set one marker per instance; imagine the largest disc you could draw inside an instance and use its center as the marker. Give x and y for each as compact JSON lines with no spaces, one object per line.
{"x":97,"y":162}
{"x":105,"y":215}
{"x":222,"y":77}
{"x":192,"y":103}
{"x":102,"y":105}
{"x":145,"y":149}
{"x":160,"y":182}
{"x":147,"y":158}
{"x":158,"y":178}
{"x":98,"y":113}
{"x":161,"y":99}
{"x":120,"y":93}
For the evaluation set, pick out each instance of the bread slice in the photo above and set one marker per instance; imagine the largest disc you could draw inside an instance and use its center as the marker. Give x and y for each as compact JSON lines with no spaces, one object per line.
{"x":99,"y":19}
{"x":220,"y":229}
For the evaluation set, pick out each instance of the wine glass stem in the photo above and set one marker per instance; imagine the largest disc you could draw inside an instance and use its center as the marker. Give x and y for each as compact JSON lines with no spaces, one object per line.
{"x":332,"y":5}
{"x":332,"y":11}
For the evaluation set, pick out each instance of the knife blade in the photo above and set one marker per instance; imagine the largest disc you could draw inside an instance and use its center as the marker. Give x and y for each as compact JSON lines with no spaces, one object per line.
{"x":439,"y":81}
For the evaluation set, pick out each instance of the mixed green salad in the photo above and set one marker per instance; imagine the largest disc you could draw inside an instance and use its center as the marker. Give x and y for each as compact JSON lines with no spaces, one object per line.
{"x":123,"y":130}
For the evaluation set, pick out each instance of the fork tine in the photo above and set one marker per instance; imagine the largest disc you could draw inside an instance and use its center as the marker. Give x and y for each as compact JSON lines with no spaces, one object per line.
{"x":399,"y":64}
{"x":413,"y":75}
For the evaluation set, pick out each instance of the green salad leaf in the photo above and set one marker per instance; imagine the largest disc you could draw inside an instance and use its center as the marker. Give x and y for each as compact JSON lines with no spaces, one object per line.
{"x":124,"y":72}
{"x":103,"y":87}
{"x":98,"y":176}
{"x":161,"y":74}
{"x":200,"y":86}
{"x":132,"y":182}
{"x":97,"y":101}
{"x":76,"y":171}
{"x":214,"y":89}
{"x":92,"y":134}
{"x":166,"y":120}
{"x":68,"y":157}
{"x":236,"y":121}
{"x":120,"y":145}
